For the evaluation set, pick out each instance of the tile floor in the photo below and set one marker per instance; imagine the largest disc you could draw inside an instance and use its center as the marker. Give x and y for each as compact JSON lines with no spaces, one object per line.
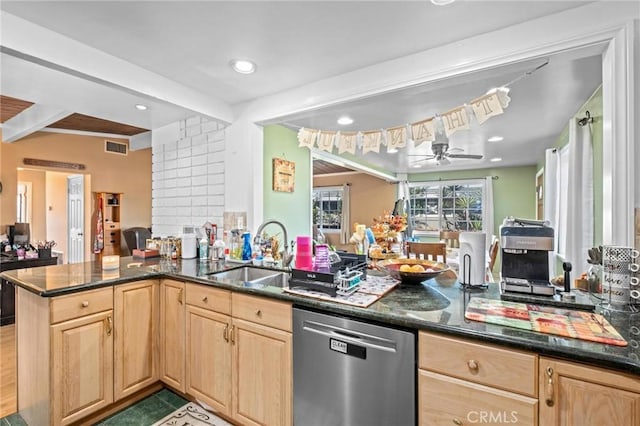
{"x":144,"y":413}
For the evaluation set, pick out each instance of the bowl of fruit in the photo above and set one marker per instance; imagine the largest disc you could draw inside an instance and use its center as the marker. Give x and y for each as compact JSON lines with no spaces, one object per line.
{"x":414,"y":271}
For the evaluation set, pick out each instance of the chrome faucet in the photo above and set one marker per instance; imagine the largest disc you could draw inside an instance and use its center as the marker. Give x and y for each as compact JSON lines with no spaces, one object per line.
{"x":286,"y":258}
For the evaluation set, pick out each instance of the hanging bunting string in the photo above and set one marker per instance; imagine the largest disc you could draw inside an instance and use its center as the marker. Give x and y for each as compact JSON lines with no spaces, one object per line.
{"x":489,"y":105}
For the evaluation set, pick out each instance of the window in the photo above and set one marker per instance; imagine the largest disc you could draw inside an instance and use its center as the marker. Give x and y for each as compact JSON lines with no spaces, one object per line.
{"x":563,"y":188}
{"x":447,"y":205}
{"x":327,"y":208}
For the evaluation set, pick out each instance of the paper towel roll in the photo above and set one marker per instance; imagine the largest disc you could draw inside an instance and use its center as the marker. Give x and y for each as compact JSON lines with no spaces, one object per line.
{"x":472,"y":258}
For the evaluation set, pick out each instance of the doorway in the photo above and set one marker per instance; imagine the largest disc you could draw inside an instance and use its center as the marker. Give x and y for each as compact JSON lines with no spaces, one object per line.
{"x":75,"y":218}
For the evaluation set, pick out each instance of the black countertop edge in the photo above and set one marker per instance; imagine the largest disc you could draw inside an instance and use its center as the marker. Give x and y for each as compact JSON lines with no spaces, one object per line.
{"x":540,"y":343}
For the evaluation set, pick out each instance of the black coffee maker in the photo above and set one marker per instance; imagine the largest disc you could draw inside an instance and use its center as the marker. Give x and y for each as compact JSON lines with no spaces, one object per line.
{"x":525,"y":256}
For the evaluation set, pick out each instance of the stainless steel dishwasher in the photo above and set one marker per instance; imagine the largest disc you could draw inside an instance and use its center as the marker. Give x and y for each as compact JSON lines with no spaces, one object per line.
{"x":348,"y":372}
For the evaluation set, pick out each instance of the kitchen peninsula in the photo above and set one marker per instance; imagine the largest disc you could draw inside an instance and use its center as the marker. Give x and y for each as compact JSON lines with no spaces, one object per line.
{"x":462,"y":366}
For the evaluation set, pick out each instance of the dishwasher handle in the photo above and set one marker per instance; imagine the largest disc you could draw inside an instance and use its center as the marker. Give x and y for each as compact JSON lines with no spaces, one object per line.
{"x":351,"y":336}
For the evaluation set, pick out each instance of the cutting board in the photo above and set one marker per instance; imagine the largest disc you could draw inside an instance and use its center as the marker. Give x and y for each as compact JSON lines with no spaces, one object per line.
{"x":562,"y":322}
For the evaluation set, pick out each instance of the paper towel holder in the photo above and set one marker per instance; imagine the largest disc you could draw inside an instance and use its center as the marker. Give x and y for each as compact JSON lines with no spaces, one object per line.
{"x":466,"y":281}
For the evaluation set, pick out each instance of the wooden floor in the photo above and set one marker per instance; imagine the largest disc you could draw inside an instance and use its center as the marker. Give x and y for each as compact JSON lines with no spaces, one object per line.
{"x":8,"y":402}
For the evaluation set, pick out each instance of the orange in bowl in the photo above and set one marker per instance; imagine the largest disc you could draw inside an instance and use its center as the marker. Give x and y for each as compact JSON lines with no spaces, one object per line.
{"x":413,"y":271}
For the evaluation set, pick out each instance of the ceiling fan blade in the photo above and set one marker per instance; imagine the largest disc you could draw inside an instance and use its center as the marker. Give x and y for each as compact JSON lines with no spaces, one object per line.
{"x":472,"y":156}
{"x":450,"y":149}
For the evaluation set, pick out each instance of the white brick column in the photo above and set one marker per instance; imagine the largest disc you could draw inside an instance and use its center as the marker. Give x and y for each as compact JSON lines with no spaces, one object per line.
{"x":188,"y":175}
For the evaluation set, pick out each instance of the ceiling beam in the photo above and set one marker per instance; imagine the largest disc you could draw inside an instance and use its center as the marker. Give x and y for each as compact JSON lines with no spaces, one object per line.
{"x":32,"y":119}
{"x":58,"y":52}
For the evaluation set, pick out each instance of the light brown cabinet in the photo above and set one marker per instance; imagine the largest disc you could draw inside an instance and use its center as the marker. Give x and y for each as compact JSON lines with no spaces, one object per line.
{"x":82,"y":359}
{"x":172,"y":333}
{"x":573,"y":394}
{"x":239,"y":358}
{"x":462,"y":382}
{"x":136,"y":308}
{"x":65,"y":355}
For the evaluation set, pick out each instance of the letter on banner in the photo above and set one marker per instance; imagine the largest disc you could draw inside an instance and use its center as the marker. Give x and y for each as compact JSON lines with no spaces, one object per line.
{"x":422,"y":131}
{"x":455,"y":120}
{"x":396,"y":137}
{"x":325,"y":141}
{"x":371,"y":141}
{"x":486,"y":107}
{"x":347,"y":142}
{"x":307,"y":137}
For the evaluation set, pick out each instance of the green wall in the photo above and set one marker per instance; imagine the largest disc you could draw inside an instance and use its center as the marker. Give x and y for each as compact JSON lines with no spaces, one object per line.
{"x":293,"y":209}
{"x":513,"y":191}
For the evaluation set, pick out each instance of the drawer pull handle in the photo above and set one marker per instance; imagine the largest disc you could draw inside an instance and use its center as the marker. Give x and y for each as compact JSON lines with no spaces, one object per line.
{"x":109,"y":325}
{"x":225,"y":332}
{"x":205,"y":299}
{"x":258,"y":312}
{"x":85,"y":303}
{"x":549,"y":388}
{"x":233,"y":339}
{"x":457,"y":421}
{"x":473,"y":365}
{"x":180,"y":296}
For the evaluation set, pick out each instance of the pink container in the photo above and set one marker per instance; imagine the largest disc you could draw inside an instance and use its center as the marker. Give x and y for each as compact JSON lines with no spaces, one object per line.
{"x":304,"y":252}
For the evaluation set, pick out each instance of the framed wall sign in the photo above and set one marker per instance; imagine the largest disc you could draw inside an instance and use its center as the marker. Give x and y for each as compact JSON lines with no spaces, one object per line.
{"x":284,"y":173}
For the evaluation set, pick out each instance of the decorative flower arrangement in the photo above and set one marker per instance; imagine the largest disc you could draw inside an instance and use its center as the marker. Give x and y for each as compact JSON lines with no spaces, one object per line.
{"x":45,"y":244}
{"x":388,"y":225}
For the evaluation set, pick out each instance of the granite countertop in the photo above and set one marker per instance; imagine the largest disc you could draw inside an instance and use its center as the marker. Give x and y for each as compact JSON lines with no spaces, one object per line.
{"x":436,"y":305}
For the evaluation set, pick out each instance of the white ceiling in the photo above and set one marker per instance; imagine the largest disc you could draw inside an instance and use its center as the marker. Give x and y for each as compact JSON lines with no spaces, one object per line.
{"x":189,"y":45}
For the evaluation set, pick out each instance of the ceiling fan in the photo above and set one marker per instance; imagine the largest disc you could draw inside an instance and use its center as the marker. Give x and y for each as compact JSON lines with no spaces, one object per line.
{"x":442,"y":152}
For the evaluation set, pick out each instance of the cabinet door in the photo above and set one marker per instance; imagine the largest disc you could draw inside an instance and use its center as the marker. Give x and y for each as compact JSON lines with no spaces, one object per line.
{"x":573,"y":394}
{"x":82,"y":376}
{"x":135,"y":340}
{"x":445,"y":400}
{"x":262,"y":374}
{"x":209,"y":358}
{"x":172,"y":330}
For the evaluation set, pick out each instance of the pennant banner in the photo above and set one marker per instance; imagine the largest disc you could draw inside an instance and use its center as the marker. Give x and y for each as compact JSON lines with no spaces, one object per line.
{"x":325,"y":140}
{"x":307,"y":137}
{"x":371,"y":141}
{"x":396,"y":137}
{"x":423,"y":131}
{"x":454,"y":120}
{"x":486,"y":106}
{"x":347,"y":142}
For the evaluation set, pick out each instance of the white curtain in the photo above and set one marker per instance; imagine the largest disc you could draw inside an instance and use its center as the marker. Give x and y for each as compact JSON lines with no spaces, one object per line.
{"x":551,"y":192}
{"x":487,"y":205}
{"x":579,"y":236}
{"x":345,"y":223}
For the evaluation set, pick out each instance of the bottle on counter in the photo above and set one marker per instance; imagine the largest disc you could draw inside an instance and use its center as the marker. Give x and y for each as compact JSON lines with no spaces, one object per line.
{"x":246,"y":246}
{"x":204,"y":248}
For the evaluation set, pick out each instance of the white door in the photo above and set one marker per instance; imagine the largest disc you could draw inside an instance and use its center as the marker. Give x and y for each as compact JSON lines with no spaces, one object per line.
{"x":75,"y":218}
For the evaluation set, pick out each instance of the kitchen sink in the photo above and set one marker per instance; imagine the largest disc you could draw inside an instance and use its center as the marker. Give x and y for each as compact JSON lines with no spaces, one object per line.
{"x":254,"y":277}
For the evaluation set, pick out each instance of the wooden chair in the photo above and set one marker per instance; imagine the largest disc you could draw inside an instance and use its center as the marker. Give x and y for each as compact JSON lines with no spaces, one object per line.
{"x":451,"y":238}
{"x":426,"y":249}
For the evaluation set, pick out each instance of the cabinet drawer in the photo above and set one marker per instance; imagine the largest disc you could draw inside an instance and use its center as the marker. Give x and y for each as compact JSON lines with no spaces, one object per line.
{"x":80,"y":304}
{"x":112,"y":226}
{"x":268,"y":312}
{"x":448,"y":401}
{"x":210,"y":298}
{"x":489,"y":365}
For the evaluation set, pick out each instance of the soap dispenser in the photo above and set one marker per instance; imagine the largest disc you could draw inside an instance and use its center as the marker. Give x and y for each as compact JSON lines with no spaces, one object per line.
{"x":246,"y":246}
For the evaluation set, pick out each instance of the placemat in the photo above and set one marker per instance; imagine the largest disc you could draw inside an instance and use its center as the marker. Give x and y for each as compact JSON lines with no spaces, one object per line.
{"x":562,"y":322}
{"x":370,"y":290}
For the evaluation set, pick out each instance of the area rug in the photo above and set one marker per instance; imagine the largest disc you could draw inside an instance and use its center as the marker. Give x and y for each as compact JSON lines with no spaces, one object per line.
{"x":191,"y":415}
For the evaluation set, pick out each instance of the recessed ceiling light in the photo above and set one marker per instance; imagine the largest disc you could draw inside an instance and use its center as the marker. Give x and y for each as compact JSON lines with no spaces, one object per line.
{"x":243,"y":66}
{"x":495,"y":159}
{"x":417,"y":166}
{"x":141,"y":107}
{"x":392,"y":151}
{"x":495,"y":139}
{"x":344,"y":121}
